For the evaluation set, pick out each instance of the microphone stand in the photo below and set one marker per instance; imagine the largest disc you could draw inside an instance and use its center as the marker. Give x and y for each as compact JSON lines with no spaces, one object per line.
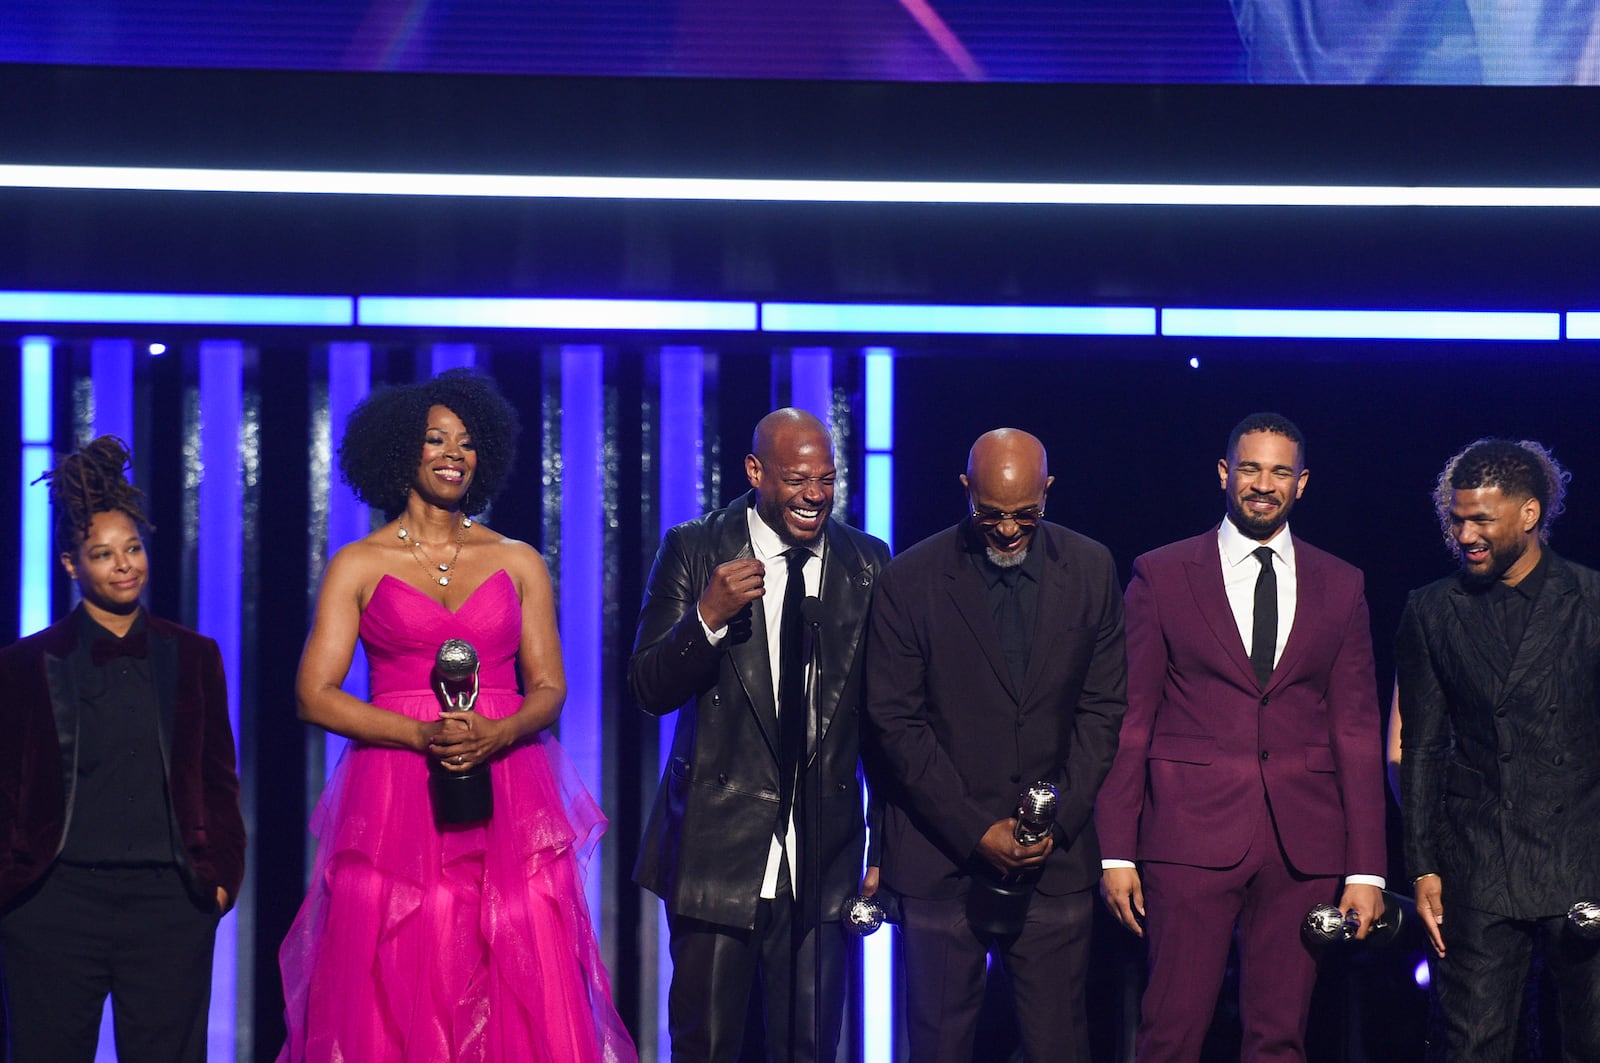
{"x":813,"y":803}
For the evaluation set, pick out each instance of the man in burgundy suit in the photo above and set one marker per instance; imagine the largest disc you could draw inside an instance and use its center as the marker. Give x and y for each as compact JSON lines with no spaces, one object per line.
{"x":1248,"y":783}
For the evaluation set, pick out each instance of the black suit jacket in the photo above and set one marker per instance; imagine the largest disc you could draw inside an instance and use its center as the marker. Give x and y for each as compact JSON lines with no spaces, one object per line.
{"x":705,"y":847}
{"x":1500,"y":765}
{"x":38,"y":762}
{"x":959,"y":742}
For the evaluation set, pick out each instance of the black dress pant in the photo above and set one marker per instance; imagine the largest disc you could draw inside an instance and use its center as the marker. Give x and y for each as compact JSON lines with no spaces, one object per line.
{"x":1482,"y":977}
{"x":716,"y":968}
{"x":132,"y":932}
{"x":945,"y":964}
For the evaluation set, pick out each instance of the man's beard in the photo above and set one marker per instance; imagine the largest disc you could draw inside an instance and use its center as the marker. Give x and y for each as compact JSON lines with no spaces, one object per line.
{"x":1498,"y":565}
{"x":999,"y":560}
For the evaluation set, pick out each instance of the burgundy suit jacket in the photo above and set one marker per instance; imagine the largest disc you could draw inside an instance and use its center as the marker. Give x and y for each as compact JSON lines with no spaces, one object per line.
{"x":39,"y":718}
{"x":1203,"y":747}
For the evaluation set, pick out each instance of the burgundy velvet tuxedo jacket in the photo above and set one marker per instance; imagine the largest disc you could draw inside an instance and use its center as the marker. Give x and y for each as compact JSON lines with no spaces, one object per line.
{"x":959,"y":741}
{"x":39,"y":718}
{"x":1203,"y":746}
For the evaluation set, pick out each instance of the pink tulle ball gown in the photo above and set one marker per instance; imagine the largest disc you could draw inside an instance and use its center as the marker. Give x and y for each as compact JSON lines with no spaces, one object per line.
{"x":468,"y":944}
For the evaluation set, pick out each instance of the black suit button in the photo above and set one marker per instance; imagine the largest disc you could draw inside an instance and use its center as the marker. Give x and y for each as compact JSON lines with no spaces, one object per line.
{"x":1265,"y":701}
{"x":1016,"y":776}
{"x":1507,"y":805}
{"x":722,"y":778}
{"x":1265,"y":755}
{"x":843,"y":787}
{"x":1560,"y":758}
{"x":1505,"y":758}
{"x":1559,"y":809}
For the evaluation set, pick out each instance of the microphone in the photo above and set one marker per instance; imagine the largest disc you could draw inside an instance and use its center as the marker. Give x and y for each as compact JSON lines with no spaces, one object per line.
{"x":465,"y":796}
{"x":811,"y":610}
{"x":1036,"y":813}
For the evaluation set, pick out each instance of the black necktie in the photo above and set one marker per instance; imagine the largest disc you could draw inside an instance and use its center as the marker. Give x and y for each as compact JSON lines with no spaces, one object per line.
{"x":791,"y":683}
{"x":1264,"y":632}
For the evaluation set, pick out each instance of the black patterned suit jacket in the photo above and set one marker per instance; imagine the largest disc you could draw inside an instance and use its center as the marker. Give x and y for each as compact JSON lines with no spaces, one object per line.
{"x":1500,"y":766}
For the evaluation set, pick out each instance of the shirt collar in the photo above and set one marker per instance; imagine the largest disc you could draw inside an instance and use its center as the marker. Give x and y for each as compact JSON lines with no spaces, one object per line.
{"x":90,"y":629}
{"x":1237,"y":547}
{"x":766,"y":544}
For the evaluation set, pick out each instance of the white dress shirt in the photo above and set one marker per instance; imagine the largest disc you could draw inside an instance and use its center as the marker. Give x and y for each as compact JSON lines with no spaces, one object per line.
{"x":769,"y":549}
{"x":1240,"y":570}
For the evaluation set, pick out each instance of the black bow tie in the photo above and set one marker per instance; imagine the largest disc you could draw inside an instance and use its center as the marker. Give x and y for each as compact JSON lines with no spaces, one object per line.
{"x":136,"y":644}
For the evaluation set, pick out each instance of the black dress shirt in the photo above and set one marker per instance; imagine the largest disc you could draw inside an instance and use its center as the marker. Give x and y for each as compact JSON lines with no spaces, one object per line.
{"x":120,"y":812}
{"x":1022,"y":582}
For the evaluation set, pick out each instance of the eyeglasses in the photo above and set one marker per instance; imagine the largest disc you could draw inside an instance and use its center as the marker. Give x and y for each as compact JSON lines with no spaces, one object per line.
{"x":1022,"y":518}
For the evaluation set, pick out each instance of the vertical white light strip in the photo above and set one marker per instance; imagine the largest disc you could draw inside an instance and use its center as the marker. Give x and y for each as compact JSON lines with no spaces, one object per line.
{"x":583,"y":571}
{"x":877,"y":954}
{"x":220,"y":557}
{"x":33,"y":559}
{"x":111,"y":370}
{"x":349,"y":380}
{"x":682,"y":453}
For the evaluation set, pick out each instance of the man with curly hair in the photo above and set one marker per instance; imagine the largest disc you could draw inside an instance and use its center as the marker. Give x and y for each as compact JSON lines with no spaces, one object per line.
{"x":1499,"y":668}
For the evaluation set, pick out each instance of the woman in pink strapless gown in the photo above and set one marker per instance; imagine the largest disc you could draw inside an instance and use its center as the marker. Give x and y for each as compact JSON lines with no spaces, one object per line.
{"x":419,"y":942}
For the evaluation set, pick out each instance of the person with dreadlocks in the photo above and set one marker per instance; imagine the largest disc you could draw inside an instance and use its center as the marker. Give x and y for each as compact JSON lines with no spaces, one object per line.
{"x":1499,"y":668}
{"x":120,"y":796}
{"x":429,"y":938}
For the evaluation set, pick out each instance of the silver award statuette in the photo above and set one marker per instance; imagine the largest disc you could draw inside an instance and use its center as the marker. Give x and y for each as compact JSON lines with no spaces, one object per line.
{"x":456,"y":662}
{"x":459,"y":796}
{"x":1036,"y":813}
{"x":1583,"y":919}
{"x":1326,"y":924}
{"x":862,"y":915}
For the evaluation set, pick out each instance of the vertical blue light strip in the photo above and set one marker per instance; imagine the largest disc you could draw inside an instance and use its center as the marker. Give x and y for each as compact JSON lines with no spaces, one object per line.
{"x":454,"y":356}
{"x":583,"y":569}
{"x":682,"y":454}
{"x":349,"y":381}
{"x":111,"y":373}
{"x":33,"y":559}
{"x":220,"y":560}
{"x":811,"y":381}
{"x":877,"y":955}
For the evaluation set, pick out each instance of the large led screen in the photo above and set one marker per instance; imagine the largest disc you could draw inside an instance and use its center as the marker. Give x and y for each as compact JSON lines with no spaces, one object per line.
{"x":1492,"y":42}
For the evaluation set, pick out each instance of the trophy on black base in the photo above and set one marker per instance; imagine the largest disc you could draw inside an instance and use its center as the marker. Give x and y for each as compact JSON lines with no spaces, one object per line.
{"x":1326,"y":924}
{"x":998,"y":906}
{"x":1583,"y":921}
{"x":459,"y":796}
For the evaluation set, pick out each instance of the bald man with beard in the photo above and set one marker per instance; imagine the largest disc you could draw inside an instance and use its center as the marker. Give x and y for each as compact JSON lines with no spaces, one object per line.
{"x":996,"y":662}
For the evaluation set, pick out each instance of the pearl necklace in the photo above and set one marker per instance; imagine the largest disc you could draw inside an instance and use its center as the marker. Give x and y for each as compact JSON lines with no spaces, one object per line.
{"x":420,"y":553}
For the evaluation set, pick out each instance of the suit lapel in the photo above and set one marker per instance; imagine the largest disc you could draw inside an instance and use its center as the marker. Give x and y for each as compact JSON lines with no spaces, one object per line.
{"x":1549,"y":616}
{"x":1211,"y":599}
{"x":748,"y":653}
{"x":971,"y":599}
{"x":846,"y":592}
{"x":1050,"y":616}
{"x":164,"y":670}
{"x":1310,"y":581}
